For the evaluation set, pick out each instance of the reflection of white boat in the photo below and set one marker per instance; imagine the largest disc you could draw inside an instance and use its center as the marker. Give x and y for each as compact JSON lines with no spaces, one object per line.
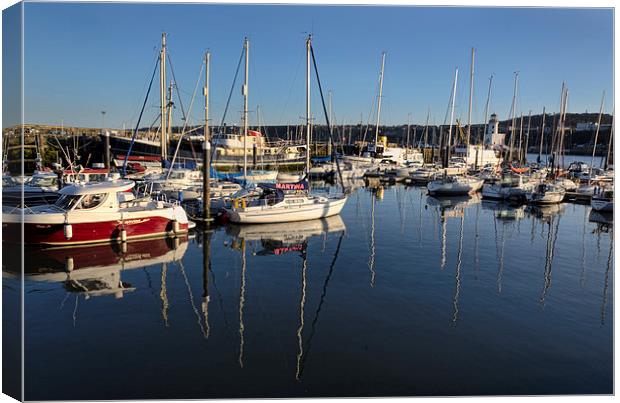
{"x":285,"y":232}
{"x":504,"y":211}
{"x":96,"y":270}
{"x":453,"y":201}
{"x":603,"y":201}
{"x":545,"y":211}
{"x":601,"y":217}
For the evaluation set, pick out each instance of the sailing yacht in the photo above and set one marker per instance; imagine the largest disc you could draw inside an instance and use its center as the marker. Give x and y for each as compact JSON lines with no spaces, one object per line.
{"x":447,"y":184}
{"x":546,"y":193}
{"x":287,"y":202}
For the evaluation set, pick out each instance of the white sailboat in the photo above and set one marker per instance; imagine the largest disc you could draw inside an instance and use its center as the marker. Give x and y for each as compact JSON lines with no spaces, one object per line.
{"x":287,"y":202}
{"x":448,"y":185}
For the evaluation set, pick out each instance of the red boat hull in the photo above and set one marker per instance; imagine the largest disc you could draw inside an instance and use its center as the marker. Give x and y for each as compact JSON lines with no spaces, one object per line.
{"x":92,"y":232}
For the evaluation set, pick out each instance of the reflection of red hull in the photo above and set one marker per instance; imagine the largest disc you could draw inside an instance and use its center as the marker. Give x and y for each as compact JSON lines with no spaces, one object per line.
{"x":40,"y":261}
{"x":90,"y":232}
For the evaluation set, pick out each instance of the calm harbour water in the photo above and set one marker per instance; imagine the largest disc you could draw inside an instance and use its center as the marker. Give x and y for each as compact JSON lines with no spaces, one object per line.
{"x":403,"y":294}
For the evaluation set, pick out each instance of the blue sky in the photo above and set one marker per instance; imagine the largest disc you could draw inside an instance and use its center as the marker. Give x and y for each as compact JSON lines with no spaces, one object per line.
{"x":81,"y":59}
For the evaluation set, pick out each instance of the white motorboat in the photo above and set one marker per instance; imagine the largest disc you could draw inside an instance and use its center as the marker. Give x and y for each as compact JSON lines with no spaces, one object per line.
{"x":454,"y":185}
{"x":93,"y":213}
{"x":568,"y":184}
{"x":41,"y":189}
{"x":424,"y":175}
{"x":546,"y":193}
{"x":512,"y":187}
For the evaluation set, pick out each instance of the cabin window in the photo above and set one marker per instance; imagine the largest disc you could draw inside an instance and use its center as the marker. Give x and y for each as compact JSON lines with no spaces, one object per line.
{"x":91,"y":201}
{"x":44,"y":182}
{"x":67,"y":202}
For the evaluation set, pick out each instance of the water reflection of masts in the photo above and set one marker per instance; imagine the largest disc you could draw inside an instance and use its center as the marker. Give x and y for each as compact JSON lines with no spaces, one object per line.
{"x":206,"y":267}
{"x":191,"y":300}
{"x":241,"y":303}
{"x":371,"y":262}
{"x":607,"y":270}
{"x":163,"y":294}
{"x":300,"y":367}
{"x":443,"y":239}
{"x":302,"y":304}
{"x":500,"y":271}
{"x":457,"y":289}
{"x":476,"y":238}
{"x":552,"y":236}
{"x":582,"y":278}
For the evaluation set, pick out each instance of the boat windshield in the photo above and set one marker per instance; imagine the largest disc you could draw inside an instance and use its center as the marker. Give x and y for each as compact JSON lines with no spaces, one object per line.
{"x":67,"y":202}
{"x":177,"y":175}
{"x":43,"y":181}
{"x":8,"y":182}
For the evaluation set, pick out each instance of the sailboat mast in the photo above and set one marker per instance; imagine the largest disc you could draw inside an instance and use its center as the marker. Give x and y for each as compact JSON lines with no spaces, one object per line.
{"x":379,"y":101}
{"x":206,"y":149}
{"x":308,"y":127}
{"x":598,"y":126}
{"x":486,"y":107}
{"x":246,"y":47}
{"x":408,"y":128}
{"x":514,"y":112}
{"x":542,"y":135}
{"x":611,"y":141}
{"x":162,"y":95}
{"x":449,"y":142}
{"x":428,"y":114}
{"x":471,"y":96}
{"x":527,"y":136}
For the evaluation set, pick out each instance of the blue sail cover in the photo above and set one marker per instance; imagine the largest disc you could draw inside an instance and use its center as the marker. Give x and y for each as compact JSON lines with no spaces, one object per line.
{"x":322,"y":159}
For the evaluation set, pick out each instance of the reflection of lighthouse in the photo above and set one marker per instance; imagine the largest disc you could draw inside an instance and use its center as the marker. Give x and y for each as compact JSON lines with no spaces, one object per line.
{"x":492,"y":137}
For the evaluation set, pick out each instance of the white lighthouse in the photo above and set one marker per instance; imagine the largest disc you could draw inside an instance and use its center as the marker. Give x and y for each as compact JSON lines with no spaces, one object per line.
{"x":493,"y":137}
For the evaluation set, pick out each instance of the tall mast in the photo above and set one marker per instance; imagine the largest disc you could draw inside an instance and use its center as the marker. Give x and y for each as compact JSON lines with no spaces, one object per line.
{"x":331,"y":124}
{"x":562,"y":130}
{"x":308,"y":128}
{"x":611,"y":141}
{"x":206,"y":149}
{"x":512,"y":125}
{"x":520,"y":138}
{"x":486,"y":107}
{"x":408,"y":128}
{"x":379,"y":101}
{"x":169,"y":112}
{"x":598,"y":126}
{"x":527,"y":136}
{"x":246,"y":48}
{"x":471,"y":96}
{"x":542,"y":134}
{"x":162,"y":98}
{"x":428,"y":114}
{"x":449,"y":143}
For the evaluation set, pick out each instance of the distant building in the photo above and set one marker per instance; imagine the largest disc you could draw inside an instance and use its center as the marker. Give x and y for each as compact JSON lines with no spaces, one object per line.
{"x":585,"y":127}
{"x":493,"y":137}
